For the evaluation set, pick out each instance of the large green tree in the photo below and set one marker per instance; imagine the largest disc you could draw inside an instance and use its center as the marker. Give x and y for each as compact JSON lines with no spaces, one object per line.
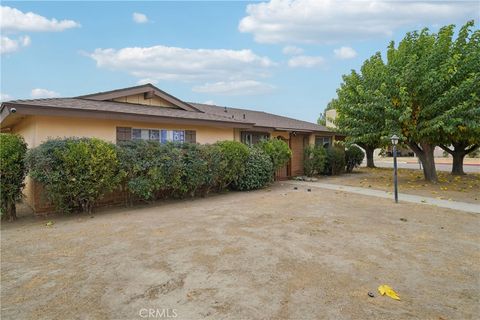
{"x":432,"y":95}
{"x":361,"y":106}
{"x":457,"y":124}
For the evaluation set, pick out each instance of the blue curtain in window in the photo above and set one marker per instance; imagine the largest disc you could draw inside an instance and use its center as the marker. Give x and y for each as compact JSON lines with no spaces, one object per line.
{"x":163,"y":138}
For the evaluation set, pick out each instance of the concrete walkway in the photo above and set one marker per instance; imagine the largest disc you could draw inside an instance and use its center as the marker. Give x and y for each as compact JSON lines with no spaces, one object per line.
{"x":455,"y":205}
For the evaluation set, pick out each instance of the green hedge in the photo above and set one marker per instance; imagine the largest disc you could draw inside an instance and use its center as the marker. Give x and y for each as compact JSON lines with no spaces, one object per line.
{"x":156,"y":170}
{"x":315,"y":158}
{"x":258,"y":171}
{"x":12,"y":173}
{"x":353,"y":157}
{"x":233,"y":156}
{"x":277,"y":150}
{"x":75,"y":172}
{"x":335,"y":164}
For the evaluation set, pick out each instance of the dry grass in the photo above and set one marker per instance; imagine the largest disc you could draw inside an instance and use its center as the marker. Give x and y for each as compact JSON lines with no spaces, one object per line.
{"x":458,"y":188}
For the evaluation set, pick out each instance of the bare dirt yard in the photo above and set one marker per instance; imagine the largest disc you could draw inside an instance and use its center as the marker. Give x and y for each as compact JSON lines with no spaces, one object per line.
{"x":277,"y":253}
{"x":464,"y":188}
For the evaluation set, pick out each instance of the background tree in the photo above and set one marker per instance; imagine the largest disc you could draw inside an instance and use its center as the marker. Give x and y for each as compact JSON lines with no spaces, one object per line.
{"x":429,"y":100}
{"x":322,"y":119}
{"x":361,"y":106}
{"x":413,"y":85}
{"x":458,"y":123}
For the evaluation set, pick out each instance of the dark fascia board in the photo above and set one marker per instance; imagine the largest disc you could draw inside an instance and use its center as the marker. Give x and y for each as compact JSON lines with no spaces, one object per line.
{"x":109,"y":95}
{"x":23,"y":109}
{"x":260,"y":129}
{"x":292,"y":129}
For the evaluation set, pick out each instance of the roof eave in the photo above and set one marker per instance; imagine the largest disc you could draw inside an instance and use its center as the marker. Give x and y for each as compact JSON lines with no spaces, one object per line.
{"x":26,"y":109}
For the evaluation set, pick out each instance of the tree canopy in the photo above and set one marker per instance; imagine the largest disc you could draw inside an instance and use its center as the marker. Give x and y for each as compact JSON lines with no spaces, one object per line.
{"x":361,"y":106}
{"x":427,"y":92}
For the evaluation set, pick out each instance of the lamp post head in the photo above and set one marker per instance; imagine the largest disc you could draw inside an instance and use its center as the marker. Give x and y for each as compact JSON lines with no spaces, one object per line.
{"x":394,"y":139}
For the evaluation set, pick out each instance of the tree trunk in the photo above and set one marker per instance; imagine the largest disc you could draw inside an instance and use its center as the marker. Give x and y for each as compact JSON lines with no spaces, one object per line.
{"x":460,"y":150}
{"x":457,"y":166}
{"x":10,"y":211}
{"x":424,"y":152}
{"x":369,"y":153}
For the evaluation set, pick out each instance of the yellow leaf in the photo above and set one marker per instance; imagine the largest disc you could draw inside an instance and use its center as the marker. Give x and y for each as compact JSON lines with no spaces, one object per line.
{"x":387,"y":290}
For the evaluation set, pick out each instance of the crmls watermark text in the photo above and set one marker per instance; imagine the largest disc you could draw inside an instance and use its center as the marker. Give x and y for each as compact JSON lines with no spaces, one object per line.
{"x":157,"y":313}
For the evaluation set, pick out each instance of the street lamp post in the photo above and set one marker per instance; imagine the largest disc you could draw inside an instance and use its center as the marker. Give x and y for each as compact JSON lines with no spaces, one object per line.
{"x":394,"y":139}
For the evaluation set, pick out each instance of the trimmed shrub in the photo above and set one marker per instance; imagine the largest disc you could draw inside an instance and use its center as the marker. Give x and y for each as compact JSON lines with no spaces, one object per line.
{"x":151,"y":167}
{"x":258,"y":171}
{"x":141,"y":162}
{"x":213,"y":174}
{"x":194,"y":169}
{"x":353,"y":157}
{"x":234,"y":154}
{"x":76,"y":172}
{"x":335,"y":164}
{"x":277,"y":150}
{"x":315,"y":158}
{"x":12,"y":173}
{"x":177,"y":170}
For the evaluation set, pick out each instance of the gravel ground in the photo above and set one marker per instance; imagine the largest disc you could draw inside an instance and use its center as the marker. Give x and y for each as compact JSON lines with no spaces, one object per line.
{"x":276,"y":253}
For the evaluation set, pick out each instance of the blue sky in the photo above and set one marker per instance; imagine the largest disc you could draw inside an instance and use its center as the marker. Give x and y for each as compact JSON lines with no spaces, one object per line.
{"x":284,"y":57}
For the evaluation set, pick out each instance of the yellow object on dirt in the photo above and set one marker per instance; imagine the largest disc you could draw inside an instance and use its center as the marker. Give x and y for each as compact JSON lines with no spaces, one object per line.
{"x":387,"y":290}
{"x":49,"y":223}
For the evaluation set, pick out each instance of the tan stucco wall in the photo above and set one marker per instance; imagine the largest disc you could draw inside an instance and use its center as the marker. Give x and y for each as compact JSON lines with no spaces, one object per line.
{"x":28,"y":130}
{"x":40,"y":128}
{"x":140,"y":99}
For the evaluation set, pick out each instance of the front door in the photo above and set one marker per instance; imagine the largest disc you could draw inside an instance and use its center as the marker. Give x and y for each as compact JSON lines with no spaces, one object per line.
{"x":298,"y":142}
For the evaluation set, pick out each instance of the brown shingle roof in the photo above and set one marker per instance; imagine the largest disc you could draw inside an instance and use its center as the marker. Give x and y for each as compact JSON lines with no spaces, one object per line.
{"x":127,"y":108}
{"x":262,"y":119}
{"x":241,"y":117}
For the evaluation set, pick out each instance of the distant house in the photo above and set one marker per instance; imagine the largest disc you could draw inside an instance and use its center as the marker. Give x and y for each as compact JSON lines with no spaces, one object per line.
{"x":146,"y":112}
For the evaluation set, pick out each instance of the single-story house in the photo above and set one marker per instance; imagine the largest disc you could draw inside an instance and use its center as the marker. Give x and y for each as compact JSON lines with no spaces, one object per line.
{"x":146,"y":112}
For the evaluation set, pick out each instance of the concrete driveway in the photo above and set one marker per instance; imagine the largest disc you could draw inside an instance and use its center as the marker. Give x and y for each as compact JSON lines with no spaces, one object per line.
{"x":277,"y":253}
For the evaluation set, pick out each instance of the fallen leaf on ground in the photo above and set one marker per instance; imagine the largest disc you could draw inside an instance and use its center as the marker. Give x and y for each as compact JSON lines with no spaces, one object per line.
{"x":387,"y":290}
{"x":49,"y":223}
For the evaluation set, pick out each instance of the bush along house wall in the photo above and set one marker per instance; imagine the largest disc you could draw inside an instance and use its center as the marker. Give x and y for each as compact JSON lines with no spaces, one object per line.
{"x":80,"y":174}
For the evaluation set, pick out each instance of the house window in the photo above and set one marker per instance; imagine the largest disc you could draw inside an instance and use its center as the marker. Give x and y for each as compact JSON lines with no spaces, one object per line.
{"x":251,"y":138}
{"x":323,"y":141}
{"x":163,"y":136}
{"x":124,"y":134}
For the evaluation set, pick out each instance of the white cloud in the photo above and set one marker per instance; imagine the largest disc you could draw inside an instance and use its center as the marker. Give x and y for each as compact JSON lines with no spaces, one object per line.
{"x":292,"y":50}
{"x":243,"y":87}
{"x":209,"y":102}
{"x":345,"y":53}
{"x":43,"y":93}
{"x":13,"y":20}
{"x":139,"y":17}
{"x":173,"y":63}
{"x":5,"y":97}
{"x":326,"y":21}
{"x":147,"y":80}
{"x":306,"y":61}
{"x":8,"y":45}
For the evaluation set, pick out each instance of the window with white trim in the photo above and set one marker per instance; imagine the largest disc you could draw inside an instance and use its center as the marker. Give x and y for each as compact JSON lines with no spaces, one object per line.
{"x":160,"y":135}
